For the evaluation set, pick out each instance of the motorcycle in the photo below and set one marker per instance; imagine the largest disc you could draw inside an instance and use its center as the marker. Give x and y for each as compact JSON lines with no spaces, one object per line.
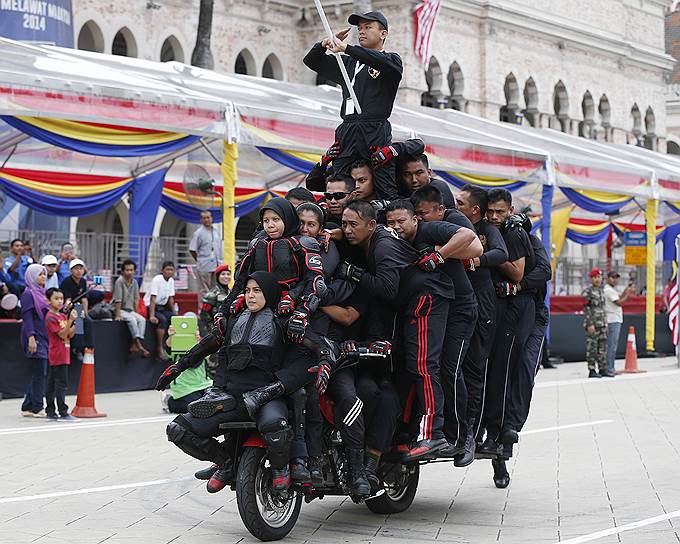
{"x":270,"y":515}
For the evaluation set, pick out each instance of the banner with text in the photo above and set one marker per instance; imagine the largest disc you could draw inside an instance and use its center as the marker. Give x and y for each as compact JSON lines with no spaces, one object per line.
{"x":42,"y":21}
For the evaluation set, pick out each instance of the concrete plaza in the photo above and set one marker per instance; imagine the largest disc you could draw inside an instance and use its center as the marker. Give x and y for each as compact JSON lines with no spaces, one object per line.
{"x":599,"y":461}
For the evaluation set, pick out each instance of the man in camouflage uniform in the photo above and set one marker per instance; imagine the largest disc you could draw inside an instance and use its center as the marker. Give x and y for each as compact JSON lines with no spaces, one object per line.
{"x":595,"y":323}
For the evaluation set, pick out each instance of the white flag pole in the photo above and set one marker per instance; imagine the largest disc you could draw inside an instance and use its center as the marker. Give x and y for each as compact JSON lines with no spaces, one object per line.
{"x":341,"y":65}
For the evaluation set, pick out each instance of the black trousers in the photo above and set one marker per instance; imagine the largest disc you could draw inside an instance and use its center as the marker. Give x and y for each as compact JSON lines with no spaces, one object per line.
{"x":524,"y":372}
{"x":181,"y":405}
{"x":460,"y":325}
{"x":57,"y":384}
{"x":381,"y":411}
{"x":476,"y":359}
{"x":424,"y":328}
{"x":356,"y":138}
{"x":514,"y":326}
{"x":349,"y":418}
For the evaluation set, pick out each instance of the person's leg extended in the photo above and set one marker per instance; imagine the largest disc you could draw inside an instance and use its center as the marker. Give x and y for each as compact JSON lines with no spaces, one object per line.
{"x":613,"y":333}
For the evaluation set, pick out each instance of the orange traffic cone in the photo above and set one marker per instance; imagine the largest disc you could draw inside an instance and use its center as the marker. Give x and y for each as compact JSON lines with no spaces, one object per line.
{"x":631,"y":355}
{"x":85,"y":402}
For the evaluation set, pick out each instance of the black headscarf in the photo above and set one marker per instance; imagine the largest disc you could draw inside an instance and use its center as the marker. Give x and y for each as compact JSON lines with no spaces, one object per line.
{"x":270,"y":287}
{"x":286,"y":211}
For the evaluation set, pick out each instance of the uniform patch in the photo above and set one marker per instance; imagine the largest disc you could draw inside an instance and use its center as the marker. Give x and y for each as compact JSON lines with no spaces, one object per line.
{"x":373,"y":73}
{"x":314,"y":262}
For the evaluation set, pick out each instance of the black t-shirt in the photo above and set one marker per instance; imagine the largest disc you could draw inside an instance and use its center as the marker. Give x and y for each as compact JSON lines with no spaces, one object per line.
{"x":72,"y":289}
{"x":518,"y":244}
{"x":495,"y":253}
{"x":439,"y":233}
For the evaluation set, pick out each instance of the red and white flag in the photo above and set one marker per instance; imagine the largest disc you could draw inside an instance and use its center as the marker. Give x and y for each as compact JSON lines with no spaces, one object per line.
{"x":425,"y":16}
{"x":673,"y":308}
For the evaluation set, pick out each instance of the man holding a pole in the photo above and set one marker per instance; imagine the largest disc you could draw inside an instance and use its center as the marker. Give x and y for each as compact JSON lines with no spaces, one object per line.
{"x":369,"y":77}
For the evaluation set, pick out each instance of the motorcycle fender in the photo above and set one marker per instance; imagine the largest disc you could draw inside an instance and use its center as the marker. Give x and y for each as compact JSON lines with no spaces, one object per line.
{"x":254,"y":440}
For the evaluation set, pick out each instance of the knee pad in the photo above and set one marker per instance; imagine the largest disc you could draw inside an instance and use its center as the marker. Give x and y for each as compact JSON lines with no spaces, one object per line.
{"x":349,"y":410}
{"x":278,"y":443}
{"x":204,"y":449}
{"x":176,"y":429}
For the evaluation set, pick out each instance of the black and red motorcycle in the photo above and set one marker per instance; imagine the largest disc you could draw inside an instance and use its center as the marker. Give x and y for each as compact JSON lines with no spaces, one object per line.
{"x":270,"y":515}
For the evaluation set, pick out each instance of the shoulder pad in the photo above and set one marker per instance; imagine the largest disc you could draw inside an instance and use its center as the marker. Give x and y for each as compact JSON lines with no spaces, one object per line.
{"x":309,"y":243}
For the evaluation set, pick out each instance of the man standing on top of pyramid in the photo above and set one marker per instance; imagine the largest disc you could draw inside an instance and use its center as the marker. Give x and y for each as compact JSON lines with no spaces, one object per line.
{"x":375,"y":75}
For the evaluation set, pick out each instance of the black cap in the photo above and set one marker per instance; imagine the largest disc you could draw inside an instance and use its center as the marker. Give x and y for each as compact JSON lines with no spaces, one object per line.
{"x":370,"y":16}
{"x":613,"y":274}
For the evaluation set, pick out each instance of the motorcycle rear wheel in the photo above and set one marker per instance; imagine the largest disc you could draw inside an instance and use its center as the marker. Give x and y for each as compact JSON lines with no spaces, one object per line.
{"x":400,"y":490}
{"x":267,"y":515}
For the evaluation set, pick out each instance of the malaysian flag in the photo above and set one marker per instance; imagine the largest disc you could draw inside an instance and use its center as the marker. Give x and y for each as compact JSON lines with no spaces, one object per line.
{"x":425,"y":16}
{"x":673,"y":306}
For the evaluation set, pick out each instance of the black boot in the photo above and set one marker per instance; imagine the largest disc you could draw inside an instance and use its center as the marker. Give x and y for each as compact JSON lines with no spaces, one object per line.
{"x":316,"y":470}
{"x":223,"y":477}
{"x":466,"y":457}
{"x":206,"y":473}
{"x":257,"y":398}
{"x":501,"y":478}
{"x":358,"y":484}
{"x":299,"y":472}
{"x":489,"y":449}
{"x":214,"y":400}
{"x":372,"y":462}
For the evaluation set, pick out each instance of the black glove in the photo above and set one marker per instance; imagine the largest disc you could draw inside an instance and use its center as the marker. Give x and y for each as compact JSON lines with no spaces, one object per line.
{"x":430,"y":261}
{"x":518,"y":220}
{"x":169,"y":374}
{"x":506,"y":289}
{"x":297,"y":326}
{"x":381,"y":347}
{"x":238,"y":305}
{"x":323,"y":376}
{"x":379,"y":205}
{"x":349,"y":271}
{"x":286,"y":305}
{"x":219,"y":325}
{"x":383,"y":156}
{"x":333,"y":152}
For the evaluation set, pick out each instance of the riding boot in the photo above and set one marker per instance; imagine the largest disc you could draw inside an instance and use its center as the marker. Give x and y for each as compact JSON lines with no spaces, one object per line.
{"x":214,"y":400}
{"x":359,"y":486}
{"x":257,"y":398}
{"x":299,"y":472}
{"x":468,"y":454}
{"x":316,"y":470}
{"x":372,"y":462}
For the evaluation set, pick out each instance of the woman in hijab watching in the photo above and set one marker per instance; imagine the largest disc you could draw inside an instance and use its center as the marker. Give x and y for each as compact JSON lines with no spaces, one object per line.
{"x":34,"y":339}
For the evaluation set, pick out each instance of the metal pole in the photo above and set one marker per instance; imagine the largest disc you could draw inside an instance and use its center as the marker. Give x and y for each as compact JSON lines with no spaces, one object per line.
{"x":341,"y":65}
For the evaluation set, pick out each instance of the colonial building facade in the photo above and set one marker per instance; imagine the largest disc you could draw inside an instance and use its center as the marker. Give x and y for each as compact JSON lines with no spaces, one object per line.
{"x":595,"y":69}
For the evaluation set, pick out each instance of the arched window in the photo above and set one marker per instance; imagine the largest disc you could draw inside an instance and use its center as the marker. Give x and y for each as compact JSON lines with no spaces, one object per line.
{"x":245,"y":63}
{"x":510,"y":113}
{"x":90,"y":38}
{"x":272,"y":68}
{"x":636,"y":122}
{"x":124,"y":43}
{"x":171,"y":50}
{"x":605,"y":116}
{"x":433,"y":97}
{"x":456,"y":87}
{"x":561,"y":106}
{"x":650,"y":129}
{"x":672,"y":148}
{"x":585,"y":127}
{"x":531,"y":113}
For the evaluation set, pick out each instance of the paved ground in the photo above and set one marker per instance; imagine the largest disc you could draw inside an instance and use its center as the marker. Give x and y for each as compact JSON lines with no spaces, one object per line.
{"x":599,"y":461}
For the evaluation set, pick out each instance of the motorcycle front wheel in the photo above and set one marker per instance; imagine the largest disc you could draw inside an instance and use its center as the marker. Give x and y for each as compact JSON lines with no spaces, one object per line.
{"x":401,"y":484}
{"x":267,"y":515}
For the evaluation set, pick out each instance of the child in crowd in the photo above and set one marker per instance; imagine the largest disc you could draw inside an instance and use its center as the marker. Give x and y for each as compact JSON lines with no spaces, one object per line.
{"x":188,"y":386}
{"x":60,"y":330}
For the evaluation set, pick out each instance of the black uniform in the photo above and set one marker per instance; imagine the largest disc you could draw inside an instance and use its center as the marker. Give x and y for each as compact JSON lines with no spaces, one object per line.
{"x":476,"y":359}
{"x":515,"y":319}
{"x":376,"y":76}
{"x":460,"y":322}
{"x":524,"y":372}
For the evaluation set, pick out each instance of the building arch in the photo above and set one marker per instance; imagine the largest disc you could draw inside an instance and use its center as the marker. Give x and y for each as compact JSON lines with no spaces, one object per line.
{"x":456,"y":82}
{"x":510,"y":111}
{"x":171,"y":50}
{"x":672,"y":148}
{"x":90,"y":38}
{"x":433,"y":97}
{"x":586,"y":127}
{"x":561,"y":106}
{"x":272,"y":68}
{"x":124,"y":43}
{"x":245,"y":63}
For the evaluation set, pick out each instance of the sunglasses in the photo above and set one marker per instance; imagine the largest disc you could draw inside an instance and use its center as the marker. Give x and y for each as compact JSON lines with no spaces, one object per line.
{"x":335,"y":196}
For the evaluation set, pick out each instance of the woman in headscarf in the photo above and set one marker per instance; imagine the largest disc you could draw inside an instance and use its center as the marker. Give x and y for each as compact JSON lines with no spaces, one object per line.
{"x":34,"y":338}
